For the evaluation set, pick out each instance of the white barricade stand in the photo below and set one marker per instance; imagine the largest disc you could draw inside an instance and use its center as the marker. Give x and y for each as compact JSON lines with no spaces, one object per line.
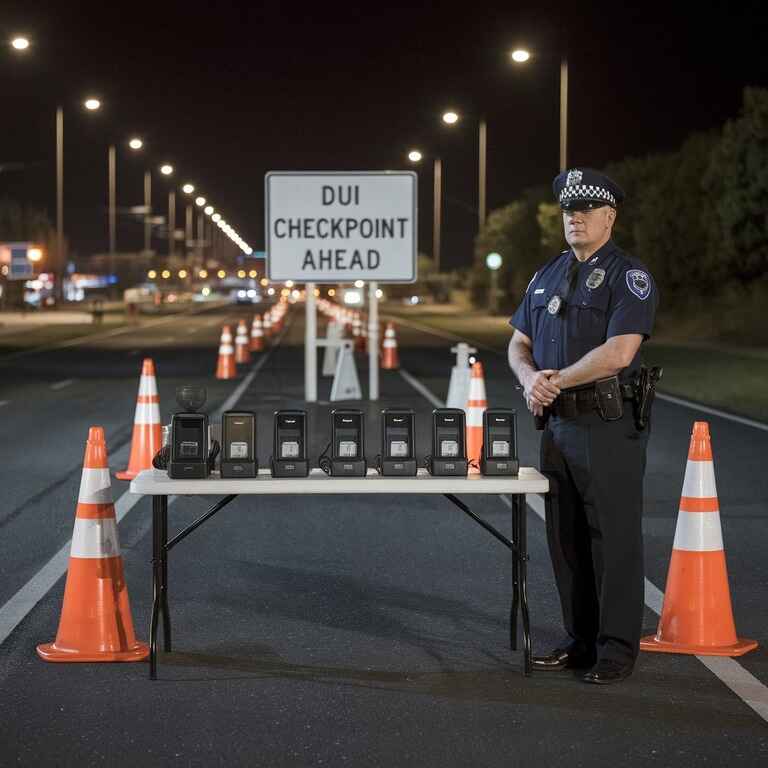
{"x":346,"y":384}
{"x":333,"y":337}
{"x":458,"y":388}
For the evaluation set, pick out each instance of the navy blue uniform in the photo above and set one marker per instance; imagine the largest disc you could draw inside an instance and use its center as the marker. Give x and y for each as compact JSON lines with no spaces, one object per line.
{"x":595,"y":468}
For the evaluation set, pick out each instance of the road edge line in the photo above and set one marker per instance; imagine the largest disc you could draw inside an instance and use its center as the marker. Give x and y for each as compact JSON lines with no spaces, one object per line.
{"x":735,"y":677}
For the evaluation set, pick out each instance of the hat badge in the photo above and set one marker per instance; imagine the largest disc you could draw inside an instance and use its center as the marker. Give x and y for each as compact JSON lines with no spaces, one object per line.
{"x":574,"y":178}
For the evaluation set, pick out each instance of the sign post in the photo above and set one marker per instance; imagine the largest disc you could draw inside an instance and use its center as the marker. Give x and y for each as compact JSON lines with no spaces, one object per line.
{"x":339,"y":227}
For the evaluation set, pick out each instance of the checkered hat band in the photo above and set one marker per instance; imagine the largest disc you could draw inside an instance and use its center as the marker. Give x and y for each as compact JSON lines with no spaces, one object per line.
{"x":586,"y":192}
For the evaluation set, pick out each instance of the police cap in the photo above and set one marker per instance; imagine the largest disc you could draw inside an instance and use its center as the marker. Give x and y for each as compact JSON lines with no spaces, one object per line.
{"x":583,"y":188}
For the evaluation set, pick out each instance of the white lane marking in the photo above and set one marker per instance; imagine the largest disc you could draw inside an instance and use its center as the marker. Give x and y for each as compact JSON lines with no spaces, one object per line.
{"x":713,"y":411}
{"x":15,"y":609}
{"x":661,"y":395}
{"x":12,"y":613}
{"x":62,"y":384}
{"x":744,"y":684}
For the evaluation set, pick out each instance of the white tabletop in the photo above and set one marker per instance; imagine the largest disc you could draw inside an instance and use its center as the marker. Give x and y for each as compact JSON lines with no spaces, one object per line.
{"x":155,"y":482}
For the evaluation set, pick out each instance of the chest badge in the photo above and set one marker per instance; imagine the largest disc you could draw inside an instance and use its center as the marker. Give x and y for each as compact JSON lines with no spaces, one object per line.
{"x":554,"y":305}
{"x":595,"y":279}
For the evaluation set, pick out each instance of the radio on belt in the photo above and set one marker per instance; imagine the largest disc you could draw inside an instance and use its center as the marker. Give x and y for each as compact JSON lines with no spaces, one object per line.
{"x":289,"y":449}
{"x":238,"y":437}
{"x":347,"y":445}
{"x":449,"y":454}
{"x":190,"y":439}
{"x":398,"y":432}
{"x":499,"y":454}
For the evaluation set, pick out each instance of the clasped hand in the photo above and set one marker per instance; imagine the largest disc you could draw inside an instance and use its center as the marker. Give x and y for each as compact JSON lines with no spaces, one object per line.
{"x":540,"y":391}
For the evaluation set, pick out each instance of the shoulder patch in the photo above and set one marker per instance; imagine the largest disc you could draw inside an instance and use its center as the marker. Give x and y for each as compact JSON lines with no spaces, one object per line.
{"x":531,"y":283}
{"x":639,"y":283}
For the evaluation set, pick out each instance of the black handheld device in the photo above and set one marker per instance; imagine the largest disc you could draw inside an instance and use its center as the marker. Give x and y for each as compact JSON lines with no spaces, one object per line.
{"x":398,"y":442}
{"x":499,"y":453}
{"x":449,"y":452}
{"x":238,"y":439}
{"x":347,"y":445}
{"x":289,"y":446}
{"x":190,"y":441}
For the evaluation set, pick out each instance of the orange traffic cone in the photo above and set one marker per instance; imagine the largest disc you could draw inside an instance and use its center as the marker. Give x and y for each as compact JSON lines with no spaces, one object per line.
{"x":267,"y":325}
{"x":242,"y":345}
{"x":390,"y":361}
{"x":225,"y":368}
{"x":95,"y":622}
{"x":257,"y":335}
{"x":147,"y":432}
{"x":476,"y":404}
{"x":697,"y":616}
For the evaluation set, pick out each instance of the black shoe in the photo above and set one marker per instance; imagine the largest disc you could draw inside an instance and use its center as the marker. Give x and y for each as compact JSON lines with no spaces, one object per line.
{"x":563,"y":658}
{"x":608,"y":671}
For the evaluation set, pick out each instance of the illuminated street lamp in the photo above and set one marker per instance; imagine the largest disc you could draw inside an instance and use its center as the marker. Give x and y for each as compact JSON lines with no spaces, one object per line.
{"x":521,"y":56}
{"x":451,"y":118}
{"x":136,"y":143}
{"x":188,"y":189}
{"x":20,"y":43}
{"x":415,"y":156}
{"x":208,"y":210}
{"x":92,"y":104}
{"x":199,"y":202}
{"x":494,"y":261}
{"x":35,"y":254}
{"x":166,"y":169}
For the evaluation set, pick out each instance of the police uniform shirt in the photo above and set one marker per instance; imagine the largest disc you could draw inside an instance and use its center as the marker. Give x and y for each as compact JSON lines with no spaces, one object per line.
{"x":613,"y":294}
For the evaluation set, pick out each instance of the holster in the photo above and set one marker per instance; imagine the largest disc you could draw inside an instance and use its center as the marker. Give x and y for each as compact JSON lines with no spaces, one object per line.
{"x":540,"y":422}
{"x":644,"y":387}
{"x":608,"y":396}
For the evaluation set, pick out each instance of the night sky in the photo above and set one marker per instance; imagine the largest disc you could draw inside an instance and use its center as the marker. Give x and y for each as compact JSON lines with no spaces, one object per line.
{"x":228,"y":91}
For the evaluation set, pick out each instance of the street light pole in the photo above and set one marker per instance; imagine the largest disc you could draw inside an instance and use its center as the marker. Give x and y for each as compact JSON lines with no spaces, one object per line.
{"x":201,"y":238}
{"x":188,"y":234}
{"x":563,"y":114}
{"x":148,"y":211}
{"x":171,"y":222}
{"x":437,"y":218}
{"x":482,"y":153}
{"x":112,"y":194}
{"x":59,"y":281}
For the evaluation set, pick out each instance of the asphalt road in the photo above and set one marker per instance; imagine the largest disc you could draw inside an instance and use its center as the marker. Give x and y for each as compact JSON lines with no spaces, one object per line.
{"x":358,"y":631}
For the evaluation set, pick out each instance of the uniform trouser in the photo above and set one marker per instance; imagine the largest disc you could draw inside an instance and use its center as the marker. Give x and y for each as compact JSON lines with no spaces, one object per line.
{"x":594,"y":529}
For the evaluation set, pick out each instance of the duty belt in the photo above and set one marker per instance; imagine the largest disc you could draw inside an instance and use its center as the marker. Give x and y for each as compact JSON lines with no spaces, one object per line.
{"x":572,"y":402}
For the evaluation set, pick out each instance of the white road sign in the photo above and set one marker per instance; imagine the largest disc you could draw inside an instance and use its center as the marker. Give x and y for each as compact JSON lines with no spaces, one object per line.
{"x":340,"y":227}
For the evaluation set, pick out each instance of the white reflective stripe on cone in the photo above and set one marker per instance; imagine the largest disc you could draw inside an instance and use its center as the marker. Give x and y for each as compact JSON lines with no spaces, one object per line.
{"x":389,"y":344}
{"x":147,"y":413}
{"x":226,"y":349}
{"x":95,"y":486}
{"x":698,"y":532}
{"x":147,"y":386}
{"x":699,"y":482}
{"x":475,"y":416}
{"x":95,"y":538}
{"x":476,"y":389}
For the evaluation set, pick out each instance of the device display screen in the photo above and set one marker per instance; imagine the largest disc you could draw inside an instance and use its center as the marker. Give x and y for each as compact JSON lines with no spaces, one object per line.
{"x":347,"y":439}
{"x":398,"y":439}
{"x":500,"y":441}
{"x":239,"y":435}
{"x":189,"y":438}
{"x":289,"y":449}
{"x":449,"y":448}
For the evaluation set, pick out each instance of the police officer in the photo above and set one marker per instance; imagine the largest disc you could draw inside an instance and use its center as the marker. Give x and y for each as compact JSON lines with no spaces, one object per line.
{"x":575,"y":350}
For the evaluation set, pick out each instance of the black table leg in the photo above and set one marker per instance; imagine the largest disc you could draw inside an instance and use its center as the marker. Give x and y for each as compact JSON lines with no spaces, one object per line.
{"x":515,"y":577}
{"x":523,"y":572}
{"x":157,"y":579}
{"x":164,"y":584}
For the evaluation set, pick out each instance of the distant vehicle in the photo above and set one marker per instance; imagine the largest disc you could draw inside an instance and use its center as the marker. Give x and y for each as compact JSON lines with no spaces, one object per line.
{"x":245,"y":295}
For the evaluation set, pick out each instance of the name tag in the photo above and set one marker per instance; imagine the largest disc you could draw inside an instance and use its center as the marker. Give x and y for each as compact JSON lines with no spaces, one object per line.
{"x":539,"y":290}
